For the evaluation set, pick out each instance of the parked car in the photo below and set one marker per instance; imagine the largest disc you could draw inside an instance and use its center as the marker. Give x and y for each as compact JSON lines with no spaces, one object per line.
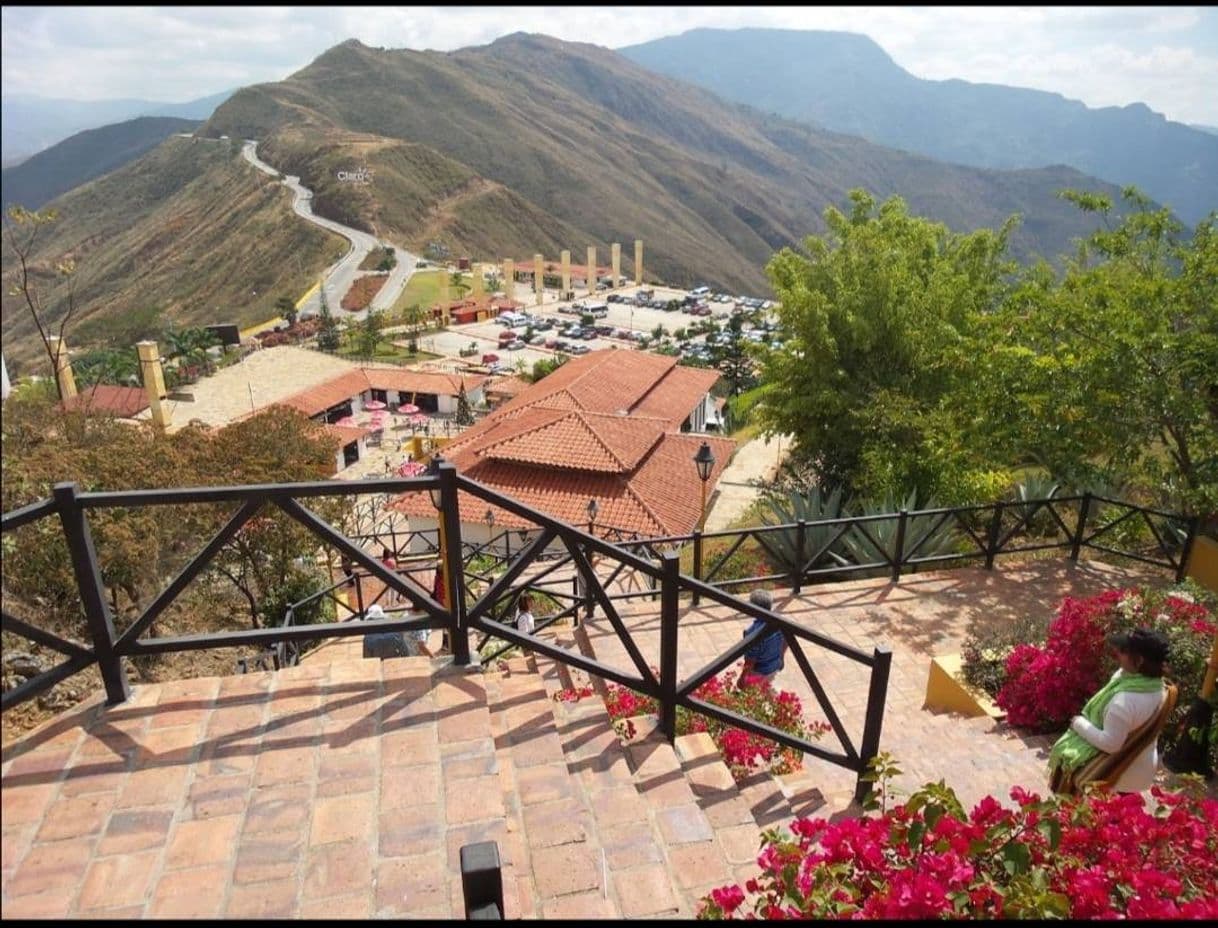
{"x":516,"y":345}
{"x":579,"y":349}
{"x":551,"y":342}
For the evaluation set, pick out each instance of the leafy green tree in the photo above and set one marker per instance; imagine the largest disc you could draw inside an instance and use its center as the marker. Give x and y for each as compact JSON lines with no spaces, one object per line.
{"x":119,"y":366}
{"x":733,"y":360}
{"x":1108,"y":372}
{"x":876,"y":319}
{"x":457,"y":282}
{"x":367,"y":335}
{"x":327,"y":334}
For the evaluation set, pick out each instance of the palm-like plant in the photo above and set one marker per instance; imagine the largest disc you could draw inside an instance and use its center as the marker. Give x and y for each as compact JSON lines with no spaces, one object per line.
{"x":925,"y":535}
{"x":813,"y":504}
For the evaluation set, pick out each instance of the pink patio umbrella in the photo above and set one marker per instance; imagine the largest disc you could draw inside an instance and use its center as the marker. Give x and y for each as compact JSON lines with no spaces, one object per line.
{"x":346,"y":421}
{"x":419,"y":419}
{"x":374,"y":405}
{"x":407,"y":409}
{"x":411,"y":469}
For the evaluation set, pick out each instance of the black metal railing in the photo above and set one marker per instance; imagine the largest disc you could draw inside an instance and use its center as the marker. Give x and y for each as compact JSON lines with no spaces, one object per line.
{"x":986,"y":533}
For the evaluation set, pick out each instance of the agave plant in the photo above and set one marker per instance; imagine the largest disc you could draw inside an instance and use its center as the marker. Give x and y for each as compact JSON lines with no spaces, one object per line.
{"x":813,"y":504}
{"x":925,"y":536}
{"x":1033,"y":489}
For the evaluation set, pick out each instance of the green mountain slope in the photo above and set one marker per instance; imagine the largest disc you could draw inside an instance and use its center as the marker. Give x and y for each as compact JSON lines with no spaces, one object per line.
{"x":847,"y":83}
{"x":618,"y":152}
{"x":84,"y":156}
{"x":189,"y":232}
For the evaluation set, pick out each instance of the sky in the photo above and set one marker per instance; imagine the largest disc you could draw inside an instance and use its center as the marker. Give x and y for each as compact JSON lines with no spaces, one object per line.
{"x":1165,"y":57}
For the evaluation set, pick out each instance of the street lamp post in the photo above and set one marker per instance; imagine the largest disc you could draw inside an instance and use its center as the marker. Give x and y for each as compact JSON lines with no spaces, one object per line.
{"x":704,"y":460}
{"x":437,"y":500}
{"x":593,"y":509}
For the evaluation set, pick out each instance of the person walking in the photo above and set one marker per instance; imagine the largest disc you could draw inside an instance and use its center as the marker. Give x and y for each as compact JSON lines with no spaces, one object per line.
{"x":1114,"y":740}
{"x":767,"y":655}
{"x":525,"y":623}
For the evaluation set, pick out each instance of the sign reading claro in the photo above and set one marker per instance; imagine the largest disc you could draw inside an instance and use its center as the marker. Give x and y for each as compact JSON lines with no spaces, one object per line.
{"x":358,"y":176}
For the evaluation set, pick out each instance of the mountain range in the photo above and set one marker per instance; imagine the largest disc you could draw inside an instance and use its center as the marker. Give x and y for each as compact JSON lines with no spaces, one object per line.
{"x":847,"y":83}
{"x":33,"y":123}
{"x":526,"y":145}
{"x":83,"y":156}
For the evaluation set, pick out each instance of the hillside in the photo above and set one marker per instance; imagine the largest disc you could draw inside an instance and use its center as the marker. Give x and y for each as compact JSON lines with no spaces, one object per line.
{"x":617,"y":152}
{"x":33,"y":123}
{"x":84,"y":156}
{"x":188,"y":232}
{"x":847,"y":83}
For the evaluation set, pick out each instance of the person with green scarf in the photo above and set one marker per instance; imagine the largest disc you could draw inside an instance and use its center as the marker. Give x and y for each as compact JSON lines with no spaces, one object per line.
{"x":1114,"y":740}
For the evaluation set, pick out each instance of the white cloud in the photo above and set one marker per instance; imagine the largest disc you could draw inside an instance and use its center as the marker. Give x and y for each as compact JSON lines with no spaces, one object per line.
{"x":1164,"y":57}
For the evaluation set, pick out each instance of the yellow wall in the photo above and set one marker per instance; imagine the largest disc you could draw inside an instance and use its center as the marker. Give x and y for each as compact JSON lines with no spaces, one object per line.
{"x":1203,"y":562}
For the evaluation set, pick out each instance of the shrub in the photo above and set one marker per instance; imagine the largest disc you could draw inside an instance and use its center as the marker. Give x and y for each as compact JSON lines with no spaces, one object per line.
{"x":1046,"y":684}
{"x":813,"y":504}
{"x":743,"y":752}
{"x":1096,"y":856}
{"x":984,"y":652}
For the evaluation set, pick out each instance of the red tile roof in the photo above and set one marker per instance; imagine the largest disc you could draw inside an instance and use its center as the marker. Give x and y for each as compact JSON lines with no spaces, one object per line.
{"x":109,"y":400}
{"x":319,"y":398}
{"x":344,"y":434}
{"x":580,"y":434}
{"x":507,"y":386}
{"x":408,"y":381}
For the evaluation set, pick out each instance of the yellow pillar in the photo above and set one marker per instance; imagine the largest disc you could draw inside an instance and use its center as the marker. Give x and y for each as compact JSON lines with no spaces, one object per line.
{"x":638,"y":262}
{"x":477,"y":282}
{"x":615,"y":259}
{"x":154,"y":382}
{"x":509,"y":278}
{"x":591,"y":270}
{"x":538,"y":286}
{"x":63,"y":367}
{"x":566,"y":273}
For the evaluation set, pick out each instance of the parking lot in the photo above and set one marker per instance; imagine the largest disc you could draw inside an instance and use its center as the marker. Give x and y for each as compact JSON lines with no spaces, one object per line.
{"x":626,"y":320}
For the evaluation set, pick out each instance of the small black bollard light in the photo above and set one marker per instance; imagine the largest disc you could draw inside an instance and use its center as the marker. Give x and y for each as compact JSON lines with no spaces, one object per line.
{"x":482,"y":880}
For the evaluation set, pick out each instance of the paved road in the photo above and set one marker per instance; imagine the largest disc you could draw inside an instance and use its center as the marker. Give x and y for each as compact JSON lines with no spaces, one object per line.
{"x":338,"y":277}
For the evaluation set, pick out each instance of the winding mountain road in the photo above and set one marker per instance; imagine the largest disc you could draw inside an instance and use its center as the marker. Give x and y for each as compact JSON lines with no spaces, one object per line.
{"x":338,"y":277}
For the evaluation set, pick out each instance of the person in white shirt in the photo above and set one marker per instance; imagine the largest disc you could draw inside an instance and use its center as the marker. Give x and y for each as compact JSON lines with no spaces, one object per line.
{"x":524,"y":617}
{"x":1115,"y":739}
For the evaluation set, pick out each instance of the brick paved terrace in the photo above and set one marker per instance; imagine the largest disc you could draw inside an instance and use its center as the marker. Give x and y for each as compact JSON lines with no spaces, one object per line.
{"x":345,"y":787}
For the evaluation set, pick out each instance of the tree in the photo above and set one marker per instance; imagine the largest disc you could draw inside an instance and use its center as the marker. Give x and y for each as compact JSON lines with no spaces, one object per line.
{"x":457,"y":281}
{"x":327,"y":334}
{"x":286,"y":307}
{"x":23,"y":227}
{"x":546,"y":366}
{"x":367,"y":335}
{"x":1107,"y":374}
{"x":465,"y":415}
{"x":733,"y":360}
{"x":876,"y":320}
{"x":414,"y":319}
{"x":108,"y":365}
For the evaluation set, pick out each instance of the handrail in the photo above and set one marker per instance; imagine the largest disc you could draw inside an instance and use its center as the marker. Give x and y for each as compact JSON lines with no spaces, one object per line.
{"x":571,"y":545}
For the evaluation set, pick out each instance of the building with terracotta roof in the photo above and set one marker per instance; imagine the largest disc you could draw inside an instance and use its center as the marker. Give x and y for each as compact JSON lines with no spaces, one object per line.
{"x":617,"y":427}
{"x":105,"y":399}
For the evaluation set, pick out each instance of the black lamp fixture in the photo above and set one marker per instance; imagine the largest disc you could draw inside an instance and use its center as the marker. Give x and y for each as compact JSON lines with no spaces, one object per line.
{"x":704,"y":460}
{"x":433,"y":470}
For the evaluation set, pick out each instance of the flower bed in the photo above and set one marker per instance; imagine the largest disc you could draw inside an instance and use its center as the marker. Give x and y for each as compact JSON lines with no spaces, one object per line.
{"x":1041,"y":686}
{"x":743,"y":752}
{"x":1097,"y":856}
{"x":362,"y":291}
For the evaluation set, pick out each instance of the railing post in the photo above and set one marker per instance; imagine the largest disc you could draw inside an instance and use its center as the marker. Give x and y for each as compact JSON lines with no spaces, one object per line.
{"x":482,"y":880}
{"x":899,"y":553}
{"x":991,"y":540}
{"x":797,"y":575}
{"x":876,"y":696}
{"x":359,"y":593}
{"x":1076,"y":543}
{"x":92,"y":595}
{"x":455,"y":593}
{"x":697,"y":561}
{"x":669,"y":604}
{"x":1194,"y":526}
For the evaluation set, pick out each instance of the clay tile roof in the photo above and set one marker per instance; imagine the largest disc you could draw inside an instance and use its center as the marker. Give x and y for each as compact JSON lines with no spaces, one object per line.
{"x":507,"y":386}
{"x":109,"y":400}
{"x":344,"y":434}
{"x":548,"y":449}
{"x":408,"y":381}
{"x":329,"y":393}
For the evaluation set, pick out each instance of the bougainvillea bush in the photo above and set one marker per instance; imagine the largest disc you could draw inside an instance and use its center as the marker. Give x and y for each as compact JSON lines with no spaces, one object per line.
{"x":1101,"y":855}
{"x":743,"y":752}
{"x":1044,"y":685}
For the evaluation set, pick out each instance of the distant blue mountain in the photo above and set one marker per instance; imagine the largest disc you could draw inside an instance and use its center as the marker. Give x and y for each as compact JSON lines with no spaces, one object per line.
{"x":846,"y":82}
{"x":33,"y":123}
